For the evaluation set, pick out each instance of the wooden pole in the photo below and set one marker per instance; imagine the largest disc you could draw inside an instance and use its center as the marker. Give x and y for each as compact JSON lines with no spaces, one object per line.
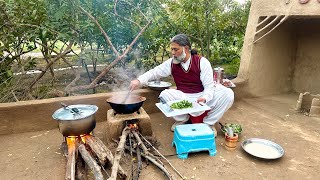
{"x":110,"y":157}
{"x":71,"y":159}
{"x":118,"y":154}
{"x":91,"y":162}
{"x":97,"y":149}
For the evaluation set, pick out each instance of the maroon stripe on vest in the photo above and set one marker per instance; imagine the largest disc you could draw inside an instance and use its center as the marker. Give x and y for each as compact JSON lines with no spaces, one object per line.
{"x":188,"y":81}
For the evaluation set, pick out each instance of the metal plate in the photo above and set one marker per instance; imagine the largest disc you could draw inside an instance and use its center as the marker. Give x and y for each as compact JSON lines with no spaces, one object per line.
{"x":160,"y":85}
{"x":262,"y":148}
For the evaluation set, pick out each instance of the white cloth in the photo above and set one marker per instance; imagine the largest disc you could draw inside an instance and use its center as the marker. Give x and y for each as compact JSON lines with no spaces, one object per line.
{"x":164,"y":70}
{"x":221,"y":102}
{"x":218,"y":97}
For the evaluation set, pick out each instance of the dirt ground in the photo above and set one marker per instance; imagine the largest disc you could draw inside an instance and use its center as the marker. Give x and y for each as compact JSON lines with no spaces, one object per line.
{"x":37,"y":156}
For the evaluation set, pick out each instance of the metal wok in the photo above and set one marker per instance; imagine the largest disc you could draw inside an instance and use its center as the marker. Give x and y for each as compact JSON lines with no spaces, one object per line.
{"x":128,"y":106}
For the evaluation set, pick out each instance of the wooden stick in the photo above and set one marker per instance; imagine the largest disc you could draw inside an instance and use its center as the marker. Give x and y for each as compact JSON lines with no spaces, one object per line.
{"x":161,"y":167}
{"x":118,"y":154}
{"x":97,"y":149}
{"x":139,"y":163}
{"x":71,"y":164}
{"x":268,"y":25}
{"x":81,"y":172}
{"x":263,"y":21}
{"x":140,"y":143}
{"x":91,"y":162}
{"x":154,"y":161}
{"x":110,"y":157}
{"x":64,"y":148}
{"x":163,"y":158}
{"x":281,"y":21}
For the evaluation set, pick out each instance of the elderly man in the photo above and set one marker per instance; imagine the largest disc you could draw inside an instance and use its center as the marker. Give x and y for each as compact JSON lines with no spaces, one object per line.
{"x":193,"y":77}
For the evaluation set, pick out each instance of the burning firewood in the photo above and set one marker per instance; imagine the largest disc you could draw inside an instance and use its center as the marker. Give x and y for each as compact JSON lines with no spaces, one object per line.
{"x":91,"y":162}
{"x":95,"y":155}
{"x":119,"y":153}
{"x":71,"y":159}
{"x":109,"y":155}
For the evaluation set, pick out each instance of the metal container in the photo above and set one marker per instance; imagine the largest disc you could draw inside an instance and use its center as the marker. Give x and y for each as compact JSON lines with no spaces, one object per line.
{"x":266,"y":150}
{"x":73,"y":123}
{"x":218,"y":75}
{"x":158,"y":85}
{"x":131,"y":105}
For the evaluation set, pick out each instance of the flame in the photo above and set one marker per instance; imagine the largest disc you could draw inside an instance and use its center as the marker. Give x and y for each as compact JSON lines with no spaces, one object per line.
{"x":72,"y":139}
{"x":133,"y":126}
{"x":83,"y":138}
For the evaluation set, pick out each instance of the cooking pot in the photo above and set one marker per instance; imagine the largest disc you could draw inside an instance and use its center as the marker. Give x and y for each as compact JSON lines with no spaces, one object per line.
{"x":126,"y":105}
{"x":75,"y":120}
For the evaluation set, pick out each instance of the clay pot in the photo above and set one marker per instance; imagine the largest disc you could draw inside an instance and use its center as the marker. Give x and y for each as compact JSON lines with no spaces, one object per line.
{"x":231,"y":142}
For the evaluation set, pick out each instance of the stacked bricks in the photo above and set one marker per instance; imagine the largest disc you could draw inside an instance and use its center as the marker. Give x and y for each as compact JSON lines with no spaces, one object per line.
{"x":310,"y":103}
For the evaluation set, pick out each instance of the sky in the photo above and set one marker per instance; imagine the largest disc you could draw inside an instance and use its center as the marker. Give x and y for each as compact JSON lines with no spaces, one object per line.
{"x":240,"y":1}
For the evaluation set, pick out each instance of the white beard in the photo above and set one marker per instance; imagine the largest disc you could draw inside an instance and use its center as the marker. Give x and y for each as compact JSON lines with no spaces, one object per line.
{"x":181,"y":57}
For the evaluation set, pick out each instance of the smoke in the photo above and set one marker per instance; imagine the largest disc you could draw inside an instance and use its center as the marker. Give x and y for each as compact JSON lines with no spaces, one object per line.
{"x":120,"y":78}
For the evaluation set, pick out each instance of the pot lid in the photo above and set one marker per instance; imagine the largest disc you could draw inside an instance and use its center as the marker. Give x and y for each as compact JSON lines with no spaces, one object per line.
{"x":67,"y":113}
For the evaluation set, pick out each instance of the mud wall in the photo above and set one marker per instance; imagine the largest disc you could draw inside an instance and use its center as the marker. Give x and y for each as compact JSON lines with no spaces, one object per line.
{"x":286,"y":59}
{"x":36,"y":115}
{"x":307,"y":67}
{"x":273,"y":62}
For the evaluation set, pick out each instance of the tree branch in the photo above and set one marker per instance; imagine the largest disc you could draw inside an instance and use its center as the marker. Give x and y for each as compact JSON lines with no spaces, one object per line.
{"x":93,"y":84}
{"x":105,"y":35}
{"x":66,"y":51}
{"x":116,"y":14}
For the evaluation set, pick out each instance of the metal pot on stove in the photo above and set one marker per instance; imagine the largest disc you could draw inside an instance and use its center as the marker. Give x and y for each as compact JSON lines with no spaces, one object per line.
{"x":75,"y":120}
{"x":126,"y":105}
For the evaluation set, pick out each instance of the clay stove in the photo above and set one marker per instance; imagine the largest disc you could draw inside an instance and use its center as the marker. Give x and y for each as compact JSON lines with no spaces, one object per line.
{"x":117,"y":122}
{"x":281,"y":49}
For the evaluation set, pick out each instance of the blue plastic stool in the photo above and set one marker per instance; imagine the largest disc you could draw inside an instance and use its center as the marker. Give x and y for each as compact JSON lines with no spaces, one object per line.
{"x":193,"y":138}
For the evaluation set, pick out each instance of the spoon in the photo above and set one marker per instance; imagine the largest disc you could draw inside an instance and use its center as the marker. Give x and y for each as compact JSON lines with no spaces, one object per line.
{"x":72,"y":110}
{"x":222,"y":126}
{"x":126,"y":98}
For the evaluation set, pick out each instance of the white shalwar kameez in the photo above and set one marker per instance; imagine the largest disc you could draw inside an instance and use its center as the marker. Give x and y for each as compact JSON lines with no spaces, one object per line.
{"x":218,"y":97}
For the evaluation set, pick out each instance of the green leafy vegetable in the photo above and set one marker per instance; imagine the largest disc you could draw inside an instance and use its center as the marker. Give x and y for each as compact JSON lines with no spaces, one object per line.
{"x":181,"y":104}
{"x":235,"y":127}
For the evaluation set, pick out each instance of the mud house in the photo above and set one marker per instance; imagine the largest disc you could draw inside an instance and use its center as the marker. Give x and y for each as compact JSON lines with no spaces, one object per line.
{"x":281,"y":48}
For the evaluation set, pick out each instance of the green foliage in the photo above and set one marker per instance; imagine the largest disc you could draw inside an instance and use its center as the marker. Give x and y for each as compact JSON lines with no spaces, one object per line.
{"x":215,"y":27}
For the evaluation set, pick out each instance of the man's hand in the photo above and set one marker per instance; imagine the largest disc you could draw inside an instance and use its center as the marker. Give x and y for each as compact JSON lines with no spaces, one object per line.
{"x":201,"y":100}
{"x":134,"y":84}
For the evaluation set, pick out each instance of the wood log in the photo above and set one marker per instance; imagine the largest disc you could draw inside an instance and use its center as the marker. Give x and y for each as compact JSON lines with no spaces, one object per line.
{"x":159,"y":164}
{"x":140,"y":143}
{"x":91,"y":162}
{"x":64,"y":148}
{"x":97,"y":149}
{"x":71,"y":160}
{"x":122,"y":173}
{"x":81,"y":173}
{"x":118,"y":154}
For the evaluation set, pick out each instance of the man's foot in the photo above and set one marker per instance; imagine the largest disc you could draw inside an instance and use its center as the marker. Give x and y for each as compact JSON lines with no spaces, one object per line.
{"x":177,"y":123}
